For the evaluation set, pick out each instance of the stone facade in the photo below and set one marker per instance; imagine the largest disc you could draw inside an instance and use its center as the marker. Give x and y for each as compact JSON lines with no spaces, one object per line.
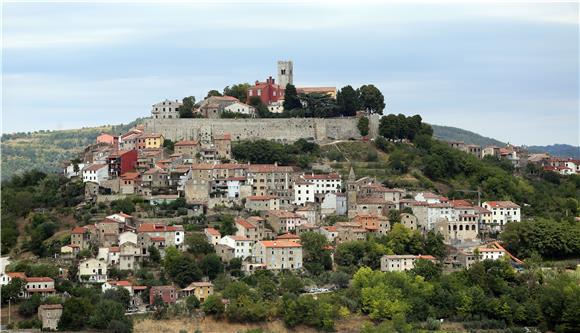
{"x":284,"y":130}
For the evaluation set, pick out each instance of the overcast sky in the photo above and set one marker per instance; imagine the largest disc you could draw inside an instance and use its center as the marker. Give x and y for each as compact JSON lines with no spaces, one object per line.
{"x":508,"y":71}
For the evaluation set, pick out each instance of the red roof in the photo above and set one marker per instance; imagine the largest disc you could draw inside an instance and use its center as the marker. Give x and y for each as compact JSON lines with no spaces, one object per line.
{"x":262,"y":168}
{"x":288,"y":236}
{"x":130,"y":176}
{"x":124,"y":283}
{"x":39,"y":279}
{"x":79,"y":230}
{"x":245,"y":224}
{"x":114,"y":249}
{"x":150,"y":227}
{"x":212,"y":231}
{"x":158,"y":239}
{"x":94,"y":167}
{"x":323,"y":176}
{"x":502,"y":204}
{"x":261,"y":197}
{"x":17,"y":275}
{"x":280,"y":243}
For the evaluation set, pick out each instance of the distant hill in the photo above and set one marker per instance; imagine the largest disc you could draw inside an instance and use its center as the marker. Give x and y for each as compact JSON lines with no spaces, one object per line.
{"x":449,"y":133}
{"x":46,"y":150}
{"x":560,"y":150}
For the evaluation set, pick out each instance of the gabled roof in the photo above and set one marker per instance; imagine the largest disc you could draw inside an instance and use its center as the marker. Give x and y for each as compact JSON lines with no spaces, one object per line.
{"x":245,"y":224}
{"x":279,"y":244}
{"x":501,"y":204}
{"x":212,"y":231}
{"x":79,"y":230}
{"x":288,"y":236}
{"x":94,"y":167}
{"x":261,"y":197}
{"x":39,"y":279}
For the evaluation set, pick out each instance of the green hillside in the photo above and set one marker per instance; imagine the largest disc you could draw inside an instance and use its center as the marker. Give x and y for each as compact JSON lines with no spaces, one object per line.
{"x":46,"y":150}
{"x":449,"y":133}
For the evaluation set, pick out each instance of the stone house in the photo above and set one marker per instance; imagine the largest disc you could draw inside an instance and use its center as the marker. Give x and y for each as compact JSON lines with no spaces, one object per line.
{"x":81,"y":237}
{"x":400,"y":263}
{"x":262,"y":202}
{"x":377,"y":224}
{"x":189,"y":148}
{"x":49,"y":315}
{"x":254,"y":227}
{"x":278,"y":254}
{"x":283,"y":221}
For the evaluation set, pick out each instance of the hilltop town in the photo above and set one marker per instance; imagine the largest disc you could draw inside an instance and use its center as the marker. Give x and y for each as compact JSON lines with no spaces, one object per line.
{"x":260,"y":200}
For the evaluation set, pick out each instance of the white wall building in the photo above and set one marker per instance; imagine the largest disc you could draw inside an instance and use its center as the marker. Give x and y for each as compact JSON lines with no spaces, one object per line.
{"x":166,"y":109}
{"x":239,"y":107}
{"x":303,"y":192}
{"x":96,"y":173}
{"x":502,"y":212}
{"x":242,"y":245}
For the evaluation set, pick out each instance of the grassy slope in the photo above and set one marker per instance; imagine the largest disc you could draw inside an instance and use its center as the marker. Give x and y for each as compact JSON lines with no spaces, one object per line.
{"x":448,"y":133}
{"x":46,"y":150}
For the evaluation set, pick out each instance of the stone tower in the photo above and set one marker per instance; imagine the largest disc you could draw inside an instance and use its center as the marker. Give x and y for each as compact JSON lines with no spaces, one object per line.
{"x":351,"y":190}
{"x":285,"y":73}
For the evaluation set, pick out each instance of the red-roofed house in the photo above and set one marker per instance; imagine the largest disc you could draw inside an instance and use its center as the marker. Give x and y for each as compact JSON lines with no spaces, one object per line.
{"x":254,"y":228}
{"x":278,"y":254}
{"x":502,"y":212}
{"x":43,"y":286}
{"x":212,"y":235}
{"x":81,"y":237}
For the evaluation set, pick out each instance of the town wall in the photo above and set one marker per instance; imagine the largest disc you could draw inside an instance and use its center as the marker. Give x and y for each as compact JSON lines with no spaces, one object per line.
{"x":282,"y":130}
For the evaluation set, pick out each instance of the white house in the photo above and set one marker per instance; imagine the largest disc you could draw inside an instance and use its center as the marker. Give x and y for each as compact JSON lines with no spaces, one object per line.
{"x":303,"y":192}
{"x":430,"y":198}
{"x":242,"y":245}
{"x":503,"y":212}
{"x":233,"y":184}
{"x":166,"y":109}
{"x":239,"y":107}
{"x":96,"y":173}
{"x":93,"y":271}
{"x":437,"y":212}
{"x":324,"y":183}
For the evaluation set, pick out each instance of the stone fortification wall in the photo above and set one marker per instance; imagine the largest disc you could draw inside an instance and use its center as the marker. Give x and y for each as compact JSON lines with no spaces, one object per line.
{"x":283,"y":130}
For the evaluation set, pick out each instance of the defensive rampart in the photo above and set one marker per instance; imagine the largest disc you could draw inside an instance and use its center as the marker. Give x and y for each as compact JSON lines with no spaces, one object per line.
{"x":282,"y":130}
